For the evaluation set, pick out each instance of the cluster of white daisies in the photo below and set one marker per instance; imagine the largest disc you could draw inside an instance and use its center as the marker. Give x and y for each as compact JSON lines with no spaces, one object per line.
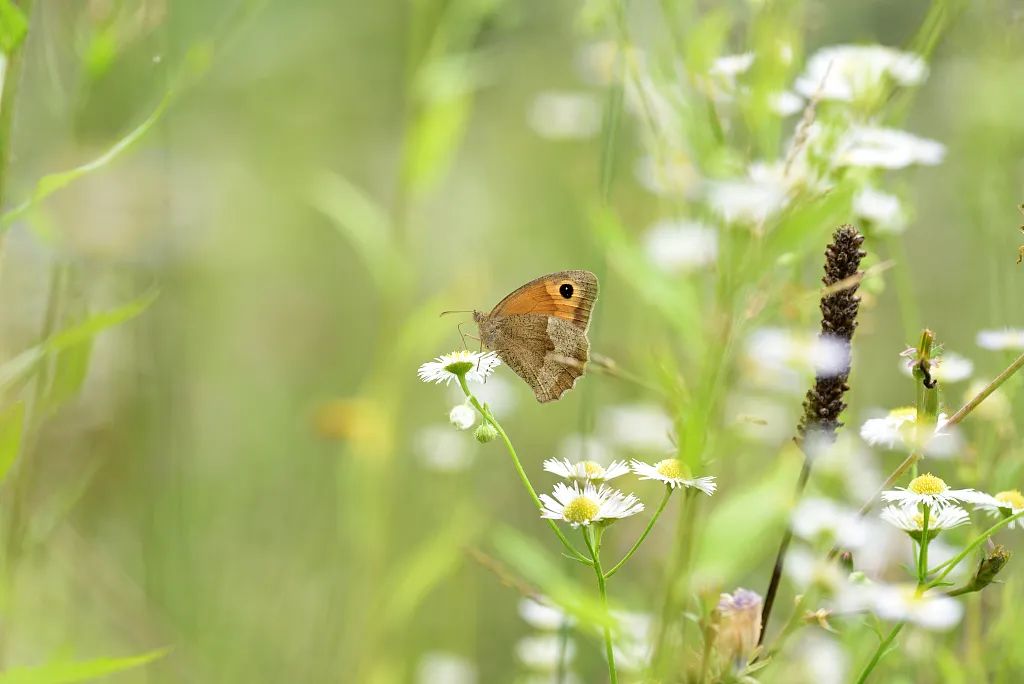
{"x":945,"y":505}
{"x":587,"y":499}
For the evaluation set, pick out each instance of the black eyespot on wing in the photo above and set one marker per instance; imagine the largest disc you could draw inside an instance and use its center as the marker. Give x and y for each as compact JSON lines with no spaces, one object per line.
{"x":565,"y":290}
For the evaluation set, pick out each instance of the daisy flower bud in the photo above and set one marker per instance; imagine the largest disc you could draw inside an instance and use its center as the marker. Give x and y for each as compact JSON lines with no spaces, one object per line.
{"x":739,"y":625}
{"x":462,"y":417}
{"x":485,"y":433}
{"x":990,"y":565}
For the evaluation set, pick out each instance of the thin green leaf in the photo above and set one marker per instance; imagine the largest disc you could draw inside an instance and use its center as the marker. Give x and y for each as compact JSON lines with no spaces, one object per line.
{"x":51,"y":183}
{"x":22,"y":365}
{"x":12,"y":421}
{"x":13,"y":26}
{"x":82,"y":671}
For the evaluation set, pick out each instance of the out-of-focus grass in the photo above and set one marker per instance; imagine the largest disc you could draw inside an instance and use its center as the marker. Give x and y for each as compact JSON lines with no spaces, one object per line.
{"x":237,"y":473}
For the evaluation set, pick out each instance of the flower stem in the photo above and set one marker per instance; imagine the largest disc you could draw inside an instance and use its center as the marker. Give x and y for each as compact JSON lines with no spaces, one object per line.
{"x":879,"y":652}
{"x":602,"y":588}
{"x":955,"y":560}
{"x":643,"y":535}
{"x":1017,"y":364}
{"x":486,"y":415}
{"x":922,"y":560}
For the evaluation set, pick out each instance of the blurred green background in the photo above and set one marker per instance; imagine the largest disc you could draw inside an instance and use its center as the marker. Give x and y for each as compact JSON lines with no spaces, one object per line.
{"x":249,"y":471}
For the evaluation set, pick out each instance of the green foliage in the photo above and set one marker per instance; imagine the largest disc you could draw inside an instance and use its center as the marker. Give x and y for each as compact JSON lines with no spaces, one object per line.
{"x":81,"y":671}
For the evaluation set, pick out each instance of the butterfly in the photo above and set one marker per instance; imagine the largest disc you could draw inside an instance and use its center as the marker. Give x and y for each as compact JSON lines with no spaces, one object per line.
{"x":540,"y":331}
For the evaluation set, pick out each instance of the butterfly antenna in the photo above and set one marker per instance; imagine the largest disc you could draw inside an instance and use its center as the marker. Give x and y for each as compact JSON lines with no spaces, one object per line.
{"x":453,"y":311}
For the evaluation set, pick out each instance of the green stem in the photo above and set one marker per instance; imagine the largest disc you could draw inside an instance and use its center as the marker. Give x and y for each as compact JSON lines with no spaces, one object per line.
{"x":643,"y":535}
{"x":879,"y":652}
{"x":486,"y":415}
{"x":955,"y":560}
{"x":595,"y":553}
{"x":922,"y":560}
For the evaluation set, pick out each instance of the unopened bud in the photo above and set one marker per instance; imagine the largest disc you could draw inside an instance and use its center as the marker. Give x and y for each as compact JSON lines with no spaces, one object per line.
{"x":485,"y":433}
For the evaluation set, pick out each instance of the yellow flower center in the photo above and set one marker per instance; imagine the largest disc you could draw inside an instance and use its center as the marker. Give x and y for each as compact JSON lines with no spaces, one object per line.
{"x":1012,"y":498}
{"x":580,"y":510}
{"x":927,"y":484}
{"x":592,"y":469}
{"x":670,"y":467}
{"x":918,"y":521}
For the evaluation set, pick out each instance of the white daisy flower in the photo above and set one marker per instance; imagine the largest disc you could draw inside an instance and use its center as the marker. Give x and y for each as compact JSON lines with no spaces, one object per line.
{"x":777,"y":350}
{"x":929,"y":490}
{"x":672,"y":472}
{"x":476,"y":366}
{"x":901,"y":603}
{"x":562,"y":115}
{"x":590,"y":471}
{"x":814,"y":518}
{"x":887,"y":148}
{"x":1002,"y":504}
{"x":589,"y":505}
{"x":911,"y":519}
{"x":786,"y":103}
{"x":462,"y":417}
{"x":681,"y":246}
{"x":883,"y":210}
{"x":849,"y":72}
{"x":950,"y":367}
{"x":732,"y":66}
{"x":1007,"y":338}
{"x":750,"y":200}
{"x":899,"y":427}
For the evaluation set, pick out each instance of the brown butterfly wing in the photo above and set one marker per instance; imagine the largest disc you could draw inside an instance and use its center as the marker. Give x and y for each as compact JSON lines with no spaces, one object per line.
{"x":549,"y":353}
{"x":566,"y":295}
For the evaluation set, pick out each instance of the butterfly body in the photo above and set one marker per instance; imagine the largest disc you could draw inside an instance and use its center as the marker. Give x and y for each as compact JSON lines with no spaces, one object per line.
{"x":540,"y":331}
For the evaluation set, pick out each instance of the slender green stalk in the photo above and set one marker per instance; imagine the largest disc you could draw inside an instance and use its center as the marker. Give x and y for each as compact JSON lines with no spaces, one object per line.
{"x":595,"y":553}
{"x":922,"y":559}
{"x":643,"y":535}
{"x":955,"y":560}
{"x":486,"y":415}
{"x":879,"y":652}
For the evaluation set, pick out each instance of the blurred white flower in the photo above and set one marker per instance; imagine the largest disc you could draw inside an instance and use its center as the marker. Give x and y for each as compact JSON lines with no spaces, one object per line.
{"x":542,"y":615}
{"x":814,"y":518}
{"x":887,"y":148}
{"x":498,"y":393}
{"x":673,"y":473}
{"x":437,"y":667}
{"x":476,"y":366}
{"x":911,"y":519}
{"x":883,"y":210}
{"x":807,"y":569}
{"x":1007,"y":338}
{"x":462,"y":417}
{"x":545,"y":651}
{"x":639,"y":427}
{"x":849,"y":72}
{"x":439,"y":448}
{"x":559,"y":115}
{"x":823,"y":659}
{"x":587,"y":471}
{"x":778,"y":351}
{"x":786,"y":103}
{"x":931,"y":491}
{"x":732,"y":66}
{"x":899,"y":426}
{"x":633,"y":643}
{"x":596,"y":62}
{"x":950,"y":367}
{"x":1001,"y":505}
{"x":996,"y":407}
{"x":753,"y":200}
{"x":670,"y":174}
{"x":900,"y":603}
{"x":589,"y":505}
{"x":681,"y":246}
